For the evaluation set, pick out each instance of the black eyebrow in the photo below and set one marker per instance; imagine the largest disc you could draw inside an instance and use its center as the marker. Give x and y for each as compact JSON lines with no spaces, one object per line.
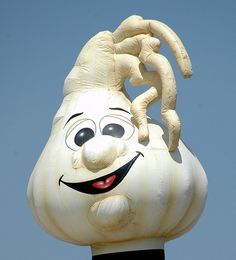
{"x":77,"y":114}
{"x":119,"y":108}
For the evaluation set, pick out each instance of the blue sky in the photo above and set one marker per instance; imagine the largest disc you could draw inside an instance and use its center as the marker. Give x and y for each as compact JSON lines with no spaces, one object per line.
{"x":39,"y":42}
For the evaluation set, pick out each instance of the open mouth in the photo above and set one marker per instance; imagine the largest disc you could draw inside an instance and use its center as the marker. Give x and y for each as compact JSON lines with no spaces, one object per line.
{"x":104,"y":183}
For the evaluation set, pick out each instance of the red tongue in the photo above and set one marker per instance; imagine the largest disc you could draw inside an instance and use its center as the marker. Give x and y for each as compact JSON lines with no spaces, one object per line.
{"x":104,"y":184}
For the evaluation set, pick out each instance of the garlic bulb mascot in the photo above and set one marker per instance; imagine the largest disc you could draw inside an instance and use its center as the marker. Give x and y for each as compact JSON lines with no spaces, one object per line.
{"x":110,"y":176}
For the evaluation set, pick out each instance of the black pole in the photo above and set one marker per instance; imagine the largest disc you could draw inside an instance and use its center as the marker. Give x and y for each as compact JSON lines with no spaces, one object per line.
{"x":150,"y":254}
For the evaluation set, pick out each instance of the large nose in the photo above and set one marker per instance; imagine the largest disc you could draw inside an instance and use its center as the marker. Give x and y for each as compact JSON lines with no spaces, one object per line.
{"x":100,"y":152}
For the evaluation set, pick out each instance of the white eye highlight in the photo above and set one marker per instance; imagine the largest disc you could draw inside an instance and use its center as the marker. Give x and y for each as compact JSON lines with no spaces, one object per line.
{"x":116,"y":126}
{"x":80,"y":133}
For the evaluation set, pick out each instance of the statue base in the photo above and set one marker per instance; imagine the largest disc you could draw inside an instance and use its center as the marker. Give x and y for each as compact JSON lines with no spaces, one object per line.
{"x":157,"y":254}
{"x":148,"y":248}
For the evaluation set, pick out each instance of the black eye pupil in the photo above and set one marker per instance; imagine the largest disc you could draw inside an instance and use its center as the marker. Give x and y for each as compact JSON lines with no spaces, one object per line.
{"x":83,"y":136}
{"x":114,"y":130}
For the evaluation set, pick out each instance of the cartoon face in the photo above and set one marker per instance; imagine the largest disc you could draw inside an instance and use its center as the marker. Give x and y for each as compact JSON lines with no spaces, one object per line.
{"x":96,"y":183}
{"x":98,"y":142}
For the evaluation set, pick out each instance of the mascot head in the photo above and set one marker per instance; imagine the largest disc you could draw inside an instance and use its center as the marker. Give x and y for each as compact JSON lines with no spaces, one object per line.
{"x":110,"y":176}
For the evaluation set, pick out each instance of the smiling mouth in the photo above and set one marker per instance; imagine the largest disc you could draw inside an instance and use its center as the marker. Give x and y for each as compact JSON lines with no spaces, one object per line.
{"x":104,"y":183}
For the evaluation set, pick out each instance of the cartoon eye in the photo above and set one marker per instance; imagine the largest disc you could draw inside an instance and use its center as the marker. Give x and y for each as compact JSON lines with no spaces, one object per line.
{"x":80,"y":133}
{"x":114,"y":130}
{"x":116,"y":126}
